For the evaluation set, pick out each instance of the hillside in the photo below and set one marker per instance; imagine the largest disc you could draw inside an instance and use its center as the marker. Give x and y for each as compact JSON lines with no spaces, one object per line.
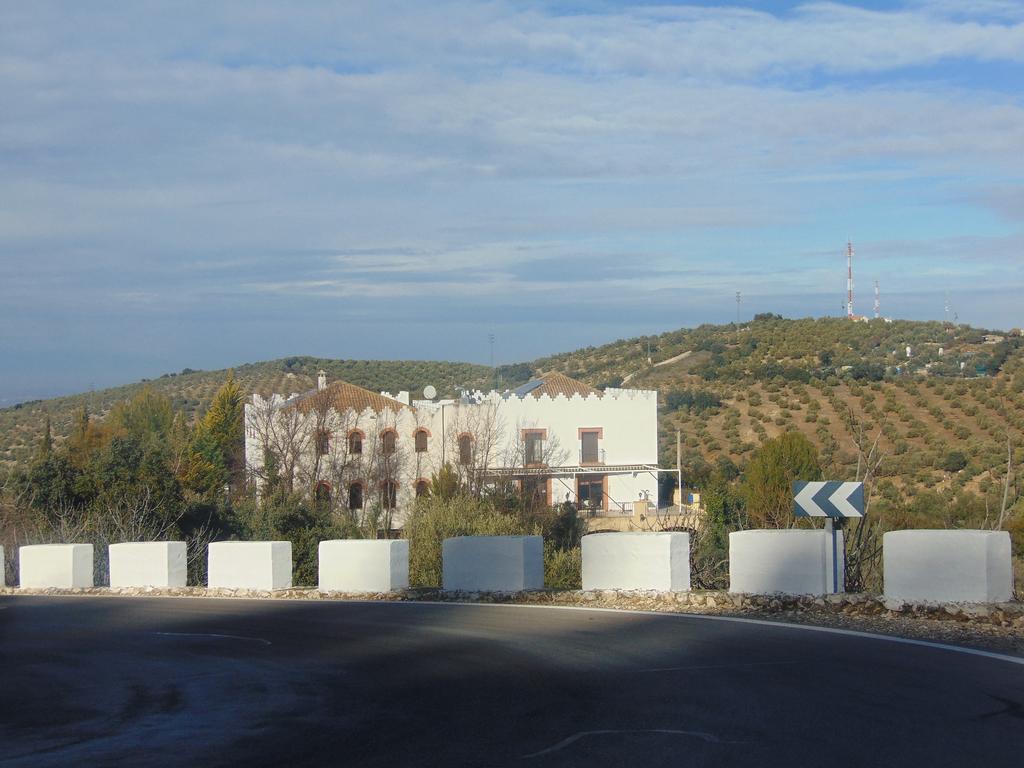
{"x":21,"y":426}
{"x":940,"y":426}
{"x":941,"y":415}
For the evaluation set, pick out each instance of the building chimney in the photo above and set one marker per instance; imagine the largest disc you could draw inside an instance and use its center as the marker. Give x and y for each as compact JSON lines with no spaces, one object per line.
{"x":321,"y":380}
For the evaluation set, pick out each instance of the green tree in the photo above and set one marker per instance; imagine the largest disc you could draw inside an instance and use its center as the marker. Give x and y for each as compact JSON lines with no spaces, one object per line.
{"x":87,"y":438}
{"x":770,"y":475}
{"x":46,"y":442}
{"x":954,"y":461}
{"x":723,"y":504}
{"x":147,"y":417}
{"x":444,"y":484}
{"x":218,"y":445}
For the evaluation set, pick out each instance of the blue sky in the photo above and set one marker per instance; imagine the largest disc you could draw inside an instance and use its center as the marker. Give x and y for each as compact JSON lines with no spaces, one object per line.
{"x":196,"y":184}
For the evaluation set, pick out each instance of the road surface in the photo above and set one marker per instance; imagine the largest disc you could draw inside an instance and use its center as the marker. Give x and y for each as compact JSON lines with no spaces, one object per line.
{"x":206,"y":682}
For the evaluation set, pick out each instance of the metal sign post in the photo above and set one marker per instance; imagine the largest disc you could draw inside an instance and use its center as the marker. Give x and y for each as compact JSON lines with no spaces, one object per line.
{"x":835,"y":501}
{"x":830,"y":526}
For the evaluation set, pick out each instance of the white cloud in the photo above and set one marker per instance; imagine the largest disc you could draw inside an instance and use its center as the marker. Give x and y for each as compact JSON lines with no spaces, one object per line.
{"x":172,"y":155}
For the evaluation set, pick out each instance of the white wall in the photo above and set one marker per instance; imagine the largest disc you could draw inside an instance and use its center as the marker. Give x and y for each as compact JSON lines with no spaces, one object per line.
{"x":792,"y":562}
{"x":628,"y":420}
{"x":264,"y":565}
{"x":148,"y":564}
{"x":947,"y":566}
{"x":659,"y":561}
{"x":340,"y":468}
{"x":493,"y":563}
{"x":363,"y":565}
{"x":64,"y":566}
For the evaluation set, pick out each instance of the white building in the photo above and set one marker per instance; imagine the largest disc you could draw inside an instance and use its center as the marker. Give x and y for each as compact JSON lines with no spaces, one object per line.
{"x":554,"y":438}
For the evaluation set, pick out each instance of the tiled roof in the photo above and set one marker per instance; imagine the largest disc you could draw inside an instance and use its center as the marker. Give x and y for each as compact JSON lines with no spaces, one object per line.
{"x":341,"y":396}
{"x":559,"y":384}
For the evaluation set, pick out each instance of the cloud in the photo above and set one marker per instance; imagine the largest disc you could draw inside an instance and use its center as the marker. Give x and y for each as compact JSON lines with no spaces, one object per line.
{"x":394,"y":161}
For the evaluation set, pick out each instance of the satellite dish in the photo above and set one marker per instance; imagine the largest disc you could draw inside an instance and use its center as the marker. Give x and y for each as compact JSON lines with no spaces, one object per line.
{"x":429,"y":392}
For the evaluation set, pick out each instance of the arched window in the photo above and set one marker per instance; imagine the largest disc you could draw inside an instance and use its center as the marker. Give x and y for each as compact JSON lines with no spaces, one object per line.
{"x":322,"y":493}
{"x":389,"y":494}
{"x":421,"y":440}
{"x":388,"y":440}
{"x":355,"y":496}
{"x":355,"y":441}
{"x":422,"y":488}
{"x":465,"y":449}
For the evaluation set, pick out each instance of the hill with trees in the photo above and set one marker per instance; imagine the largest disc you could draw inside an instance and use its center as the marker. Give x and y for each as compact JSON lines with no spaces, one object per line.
{"x":929,"y":415}
{"x":938,"y":418}
{"x":191,"y":391}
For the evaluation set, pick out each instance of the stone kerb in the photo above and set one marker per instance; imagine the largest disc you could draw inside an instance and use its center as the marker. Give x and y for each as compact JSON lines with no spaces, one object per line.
{"x":60,"y":566}
{"x":261,"y":565}
{"x":788,"y":562}
{"x":492,"y":563}
{"x":148,"y":564}
{"x":637,"y":561}
{"x":3,"y":571}
{"x":943,"y":566}
{"x":360,"y":565}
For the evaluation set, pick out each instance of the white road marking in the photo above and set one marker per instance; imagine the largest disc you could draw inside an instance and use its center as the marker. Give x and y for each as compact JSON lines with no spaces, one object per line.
{"x":217,"y":637}
{"x":710,"y":737}
{"x":726,"y":666}
{"x":664,"y":614}
{"x":740,"y":620}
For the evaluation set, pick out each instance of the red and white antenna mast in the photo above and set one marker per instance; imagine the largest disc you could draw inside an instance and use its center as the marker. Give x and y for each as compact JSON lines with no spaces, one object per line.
{"x":878,"y":303}
{"x":849,"y":279}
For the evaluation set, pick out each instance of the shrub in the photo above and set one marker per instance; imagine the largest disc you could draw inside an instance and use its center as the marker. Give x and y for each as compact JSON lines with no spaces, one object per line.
{"x":954,"y":461}
{"x":696,"y":401}
{"x":434,"y":519}
{"x":290,"y":517}
{"x":563,"y":568}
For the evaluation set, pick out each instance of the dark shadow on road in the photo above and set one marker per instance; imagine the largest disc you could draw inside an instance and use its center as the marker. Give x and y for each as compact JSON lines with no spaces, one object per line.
{"x":119,"y":681}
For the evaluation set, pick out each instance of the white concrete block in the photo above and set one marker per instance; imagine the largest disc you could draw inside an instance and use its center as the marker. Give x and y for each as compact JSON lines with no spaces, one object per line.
{"x":250,"y":565}
{"x":148,"y":564}
{"x":65,"y":566}
{"x":943,"y":566}
{"x":492,"y":563}
{"x":658,"y":561}
{"x":790,"y":562}
{"x":363,"y":565}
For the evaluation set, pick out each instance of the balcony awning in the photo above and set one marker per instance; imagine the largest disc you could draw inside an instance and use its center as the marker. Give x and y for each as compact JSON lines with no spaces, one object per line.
{"x":609,"y":469}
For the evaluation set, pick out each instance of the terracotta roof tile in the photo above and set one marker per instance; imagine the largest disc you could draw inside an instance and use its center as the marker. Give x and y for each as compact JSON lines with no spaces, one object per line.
{"x":341,"y":396}
{"x":559,"y":384}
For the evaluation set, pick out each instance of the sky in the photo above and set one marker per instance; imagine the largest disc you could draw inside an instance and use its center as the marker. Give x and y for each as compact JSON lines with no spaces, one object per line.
{"x":195,"y":184}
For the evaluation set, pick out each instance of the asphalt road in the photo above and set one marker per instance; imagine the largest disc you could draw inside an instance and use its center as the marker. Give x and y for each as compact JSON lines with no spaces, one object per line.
{"x":203,"y":682}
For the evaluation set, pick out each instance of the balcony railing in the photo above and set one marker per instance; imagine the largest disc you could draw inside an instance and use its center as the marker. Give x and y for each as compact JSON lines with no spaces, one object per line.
{"x":591,"y":457}
{"x":613,"y":509}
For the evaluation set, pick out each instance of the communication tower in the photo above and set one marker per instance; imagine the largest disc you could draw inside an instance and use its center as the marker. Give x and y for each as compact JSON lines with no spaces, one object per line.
{"x":849,"y":279}
{"x":878,"y":303}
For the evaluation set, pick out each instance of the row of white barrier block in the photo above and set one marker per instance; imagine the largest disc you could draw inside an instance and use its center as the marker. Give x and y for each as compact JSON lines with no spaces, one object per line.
{"x":919,"y":565}
{"x":789,"y":562}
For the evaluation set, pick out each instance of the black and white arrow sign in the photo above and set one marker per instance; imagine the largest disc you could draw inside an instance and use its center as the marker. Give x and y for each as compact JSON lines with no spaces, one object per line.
{"x":828,"y":499}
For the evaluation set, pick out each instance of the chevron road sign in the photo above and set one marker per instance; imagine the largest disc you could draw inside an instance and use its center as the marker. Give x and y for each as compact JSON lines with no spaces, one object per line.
{"x":828,"y":499}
